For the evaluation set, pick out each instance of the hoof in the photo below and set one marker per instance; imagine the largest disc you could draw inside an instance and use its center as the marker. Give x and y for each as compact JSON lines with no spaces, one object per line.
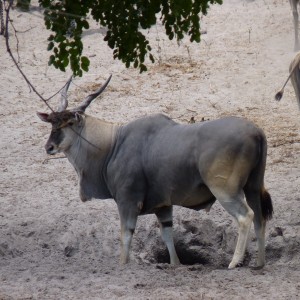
{"x":233,"y":265}
{"x":175,"y":262}
{"x":257,"y":267}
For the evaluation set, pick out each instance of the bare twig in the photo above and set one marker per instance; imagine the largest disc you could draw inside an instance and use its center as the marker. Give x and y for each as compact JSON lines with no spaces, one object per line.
{"x":50,"y":158}
{"x":16,"y":37}
{"x":26,"y":30}
{"x":1,"y":18}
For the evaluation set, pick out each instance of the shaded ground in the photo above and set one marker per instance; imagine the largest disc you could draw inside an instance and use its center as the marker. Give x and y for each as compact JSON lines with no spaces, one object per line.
{"x":52,"y":246}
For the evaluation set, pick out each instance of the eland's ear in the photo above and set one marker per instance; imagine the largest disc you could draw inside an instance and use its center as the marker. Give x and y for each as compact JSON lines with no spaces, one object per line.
{"x":79,"y":118}
{"x":43,"y":116}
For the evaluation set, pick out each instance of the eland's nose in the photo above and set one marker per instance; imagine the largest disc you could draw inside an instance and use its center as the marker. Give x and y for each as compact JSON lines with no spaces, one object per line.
{"x":49,"y":149}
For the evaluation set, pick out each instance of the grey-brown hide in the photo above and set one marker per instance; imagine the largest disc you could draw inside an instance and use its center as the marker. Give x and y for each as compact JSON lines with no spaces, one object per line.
{"x":295,"y":77}
{"x":89,"y":155}
{"x":153,"y":163}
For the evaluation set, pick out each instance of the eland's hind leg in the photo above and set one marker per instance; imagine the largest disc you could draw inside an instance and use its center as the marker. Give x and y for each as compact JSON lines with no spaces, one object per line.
{"x":237,"y":206}
{"x":260,"y":229}
{"x":165,"y":216}
{"x":253,"y":197}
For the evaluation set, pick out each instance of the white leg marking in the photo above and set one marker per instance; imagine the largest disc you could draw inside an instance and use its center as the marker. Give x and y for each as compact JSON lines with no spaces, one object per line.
{"x":260,"y":235}
{"x":244,"y":223}
{"x":167,"y":236}
{"x":126,"y":238}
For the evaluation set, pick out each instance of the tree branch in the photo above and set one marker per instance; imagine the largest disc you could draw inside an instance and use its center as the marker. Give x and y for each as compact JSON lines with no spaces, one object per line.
{"x":8,"y":21}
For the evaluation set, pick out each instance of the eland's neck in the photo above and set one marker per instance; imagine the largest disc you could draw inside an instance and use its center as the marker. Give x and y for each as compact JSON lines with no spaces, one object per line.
{"x":94,"y":142}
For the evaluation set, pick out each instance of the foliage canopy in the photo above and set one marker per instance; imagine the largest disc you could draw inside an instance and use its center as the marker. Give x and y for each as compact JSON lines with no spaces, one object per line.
{"x":124,"y":20}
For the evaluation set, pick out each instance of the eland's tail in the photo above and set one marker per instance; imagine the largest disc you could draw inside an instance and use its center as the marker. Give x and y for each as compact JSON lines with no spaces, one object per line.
{"x":266,"y":204}
{"x":257,"y":196}
{"x":295,"y":78}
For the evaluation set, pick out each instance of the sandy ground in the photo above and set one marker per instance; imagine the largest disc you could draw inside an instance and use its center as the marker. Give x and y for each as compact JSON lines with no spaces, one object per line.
{"x":52,"y":246}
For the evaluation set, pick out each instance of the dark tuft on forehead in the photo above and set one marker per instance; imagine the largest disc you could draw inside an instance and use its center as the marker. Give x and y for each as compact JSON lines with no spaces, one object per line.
{"x":58,"y":118}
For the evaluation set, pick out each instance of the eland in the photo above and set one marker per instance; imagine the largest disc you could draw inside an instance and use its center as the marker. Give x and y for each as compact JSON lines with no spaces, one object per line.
{"x":152,"y":163}
{"x":294,"y":6}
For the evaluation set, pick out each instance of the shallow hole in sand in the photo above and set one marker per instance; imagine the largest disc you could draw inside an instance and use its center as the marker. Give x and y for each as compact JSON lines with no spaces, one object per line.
{"x":186,"y":255}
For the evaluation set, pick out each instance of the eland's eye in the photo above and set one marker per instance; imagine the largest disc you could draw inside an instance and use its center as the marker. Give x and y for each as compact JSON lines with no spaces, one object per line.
{"x":71,"y":123}
{"x":56,"y":129}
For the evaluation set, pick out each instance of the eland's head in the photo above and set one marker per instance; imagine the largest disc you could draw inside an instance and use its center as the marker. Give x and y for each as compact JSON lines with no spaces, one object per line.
{"x":66,"y":124}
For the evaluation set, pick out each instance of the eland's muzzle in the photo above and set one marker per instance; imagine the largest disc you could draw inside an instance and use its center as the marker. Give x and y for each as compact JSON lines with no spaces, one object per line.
{"x":50,"y":149}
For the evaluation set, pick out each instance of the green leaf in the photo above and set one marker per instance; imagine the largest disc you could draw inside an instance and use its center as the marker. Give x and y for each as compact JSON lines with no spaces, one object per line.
{"x":65,"y":61}
{"x":85,"y":63}
{"x":50,"y":46}
{"x":62,"y":68}
{"x":51,"y":60}
{"x":51,"y":37}
{"x":151,"y":58}
{"x":85,"y":24}
{"x":59,"y":38}
{"x":143,"y":68}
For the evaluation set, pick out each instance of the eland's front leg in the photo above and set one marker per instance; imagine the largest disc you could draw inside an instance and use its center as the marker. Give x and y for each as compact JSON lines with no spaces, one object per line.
{"x":126,"y":238}
{"x":165,"y":218}
{"x":128,"y":219}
